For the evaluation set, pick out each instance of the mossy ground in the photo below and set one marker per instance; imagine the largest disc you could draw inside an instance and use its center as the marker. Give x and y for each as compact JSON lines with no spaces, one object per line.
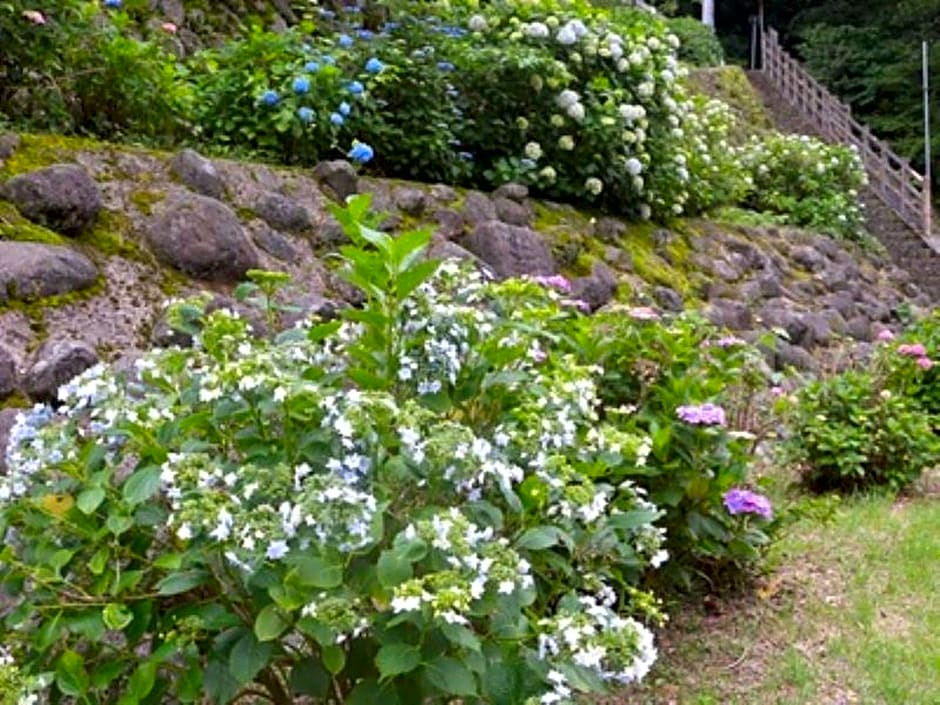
{"x":731,"y":85}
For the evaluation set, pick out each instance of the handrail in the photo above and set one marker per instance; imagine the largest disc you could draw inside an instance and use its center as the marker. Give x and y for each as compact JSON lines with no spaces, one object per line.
{"x":890,"y":176}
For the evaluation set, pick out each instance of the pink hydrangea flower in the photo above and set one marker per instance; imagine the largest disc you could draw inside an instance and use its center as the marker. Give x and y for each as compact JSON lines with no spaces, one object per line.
{"x":169,"y":27}
{"x":643,"y":313}
{"x":924,"y":363}
{"x":703,"y":415}
{"x":556,"y":281}
{"x":885,"y":336}
{"x":582,"y":306}
{"x":914,"y":350}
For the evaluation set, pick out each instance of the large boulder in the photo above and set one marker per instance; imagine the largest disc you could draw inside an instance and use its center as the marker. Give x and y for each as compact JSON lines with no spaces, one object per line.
{"x":281,"y":213}
{"x":197,"y":172}
{"x":56,"y":363}
{"x":509,"y":250}
{"x":597,"y":289}
{"x":62,"y":197}
{"x":31,"y":270}
{"x":340,"y":176}
{"x":7,"y":373}
{"x":730,"y":314}
{"x":201,"y":237}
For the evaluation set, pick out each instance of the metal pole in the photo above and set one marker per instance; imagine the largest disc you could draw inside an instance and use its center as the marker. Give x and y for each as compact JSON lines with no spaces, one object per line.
{"x":753,"y":42}
{"x":928,"y":172}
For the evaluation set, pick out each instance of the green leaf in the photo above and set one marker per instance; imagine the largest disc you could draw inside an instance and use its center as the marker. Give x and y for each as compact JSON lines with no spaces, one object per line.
{"x":249,"y":656}
{"x":311,"y":571}
{"x":89,"y":500}
{"x":368,"y":692}
{"x":308,"y":677}
{"x":98,"y":561}
{"x":395,"y":659}
{"x":393,"y":568}
{"x":141,"y":682}
{"x":141,"y":485}
{"x":70,"y":674}
{"x":269,"y":624}
{"x":461,"y":636}
{"x":633,"y":519}
{"x":334,"y":658}
{"x":450,"y":676}
{"x":176,"y":583}
{"x":539,"y":538}
{"x":116,"y":616}
{"x":412,"y":278}
{"x":117,"y":524}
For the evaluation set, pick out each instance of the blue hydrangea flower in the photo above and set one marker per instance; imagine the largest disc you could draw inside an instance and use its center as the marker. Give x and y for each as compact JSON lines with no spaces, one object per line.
{"x":311,"y":67}
{"x":112,"y":3}
{"x":365,"y":34}
{"x":336,"y":119}
{"x":327,"y":14}
{"x":373,"y":65}
{"x":270,"y":97}
{"x":352,"y":9}
{"x":306,"y":115}
{"x":466,"y":156}
{"x":355,"y":87}
{"x":301,"y":85}
{"x":360,"y":152}
{"x":391,"y":26}
{"x":345,"y":41}
{"x":446,"y":66}
{"x":344,"y":109}
{"x":329,"y":60}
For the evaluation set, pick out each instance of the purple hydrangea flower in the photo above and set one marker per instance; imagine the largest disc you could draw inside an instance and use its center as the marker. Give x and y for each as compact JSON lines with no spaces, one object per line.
{"x":702,"y":415}
{"x":738,"y":501}
{"x":556,"y":281}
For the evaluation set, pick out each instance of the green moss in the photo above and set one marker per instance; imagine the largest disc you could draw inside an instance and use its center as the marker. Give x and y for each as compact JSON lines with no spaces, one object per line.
{"x":144,"y":200}
{"x":17,"y":400}
{"x":38,"y":151}
{"x":653,"y":268}
{"x":14,"y":226}
{"x":568,"y":231}
{"x":112,"y":235}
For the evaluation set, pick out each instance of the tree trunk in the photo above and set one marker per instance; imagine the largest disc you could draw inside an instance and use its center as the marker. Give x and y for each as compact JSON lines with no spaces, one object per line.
{"x":708,"y":12}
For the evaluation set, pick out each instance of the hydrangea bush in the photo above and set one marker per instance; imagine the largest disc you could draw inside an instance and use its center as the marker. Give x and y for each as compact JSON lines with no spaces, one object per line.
{"x":422,"y":500}
{"x":815,"y":185}
{"x":868,"y":427}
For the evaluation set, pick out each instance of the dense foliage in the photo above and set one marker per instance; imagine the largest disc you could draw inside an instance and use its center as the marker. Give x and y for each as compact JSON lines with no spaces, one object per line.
{"x":873,"y":426}
{"x":432,"y":498}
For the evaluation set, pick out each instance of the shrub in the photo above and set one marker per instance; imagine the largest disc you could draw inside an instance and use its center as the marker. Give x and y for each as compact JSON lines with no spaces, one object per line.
{"x":814,"y":184}
{"x":698,"y":44}
{"x":692,"y":392}
{"x":412,"y":504}
{"x":856,"y":430}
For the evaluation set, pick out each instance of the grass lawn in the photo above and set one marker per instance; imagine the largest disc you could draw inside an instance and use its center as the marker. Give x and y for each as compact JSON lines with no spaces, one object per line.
{"x":851,"y":616}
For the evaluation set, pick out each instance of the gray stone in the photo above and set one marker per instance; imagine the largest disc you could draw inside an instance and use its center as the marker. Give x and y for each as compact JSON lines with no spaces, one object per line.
{"x":668,"y":299}
{"x":819,"y":329}
{"x":729,"y":314}
{"x":618,"y":258}
{"x":510,"y":250}
{"x":57,"y":362}
{"x":310,"y":306}
{"x":478,"y":208}
{"x":450,"y":223}
{"x":330,"y":233}
{"x":841,"y":301}
{"x":443,"y":194}
{"x":776,"y":313}
{"x":274,"y":243}
{"x":198,"y":173}
{"x":31,"y":270}
{"x":610,"y":230}
{"x":340,"y":176}
{"x":9,"y":143}
{"x":172,"y":10}
{"x":713,"y":289}
{"x":751,"y":256}
{"x":62,"y":197}
{"x":788,"y":355}
{"x":512,"y":212}
{"x":7,"y":374}
{"x":201,"y":237}
{"x":410,"y":200}
{"x":281,"y":213}
{"x":827,"y":246}
{"x":725,"y":270}
{"x":598,"y":288}
{"x":445,"y":249}
{"x":808,"y":258}
{"x":512,"y":191}
{"x":7,"y":419}
{"x":859,"y":328}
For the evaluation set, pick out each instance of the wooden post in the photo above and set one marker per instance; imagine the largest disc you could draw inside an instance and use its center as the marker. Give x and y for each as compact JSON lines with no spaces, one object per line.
{"x":928,"y":173}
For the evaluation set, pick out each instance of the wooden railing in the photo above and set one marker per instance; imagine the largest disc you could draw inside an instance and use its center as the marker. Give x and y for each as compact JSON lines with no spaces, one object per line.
{"x":890,"y":176}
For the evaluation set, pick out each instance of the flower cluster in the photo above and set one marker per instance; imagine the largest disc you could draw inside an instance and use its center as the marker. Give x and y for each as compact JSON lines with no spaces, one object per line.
{"x":917,"y":351}
{"x":741,"y":501}
{"x":707,"y":414}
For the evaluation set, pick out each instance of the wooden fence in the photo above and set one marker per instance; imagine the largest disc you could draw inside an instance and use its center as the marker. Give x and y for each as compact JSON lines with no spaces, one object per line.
{"x":890,"y":176}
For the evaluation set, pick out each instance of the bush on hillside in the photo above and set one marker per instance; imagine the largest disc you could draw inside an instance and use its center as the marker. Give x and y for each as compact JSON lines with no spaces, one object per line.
{"x":867,"y":428}
{"x":698,"y":44}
